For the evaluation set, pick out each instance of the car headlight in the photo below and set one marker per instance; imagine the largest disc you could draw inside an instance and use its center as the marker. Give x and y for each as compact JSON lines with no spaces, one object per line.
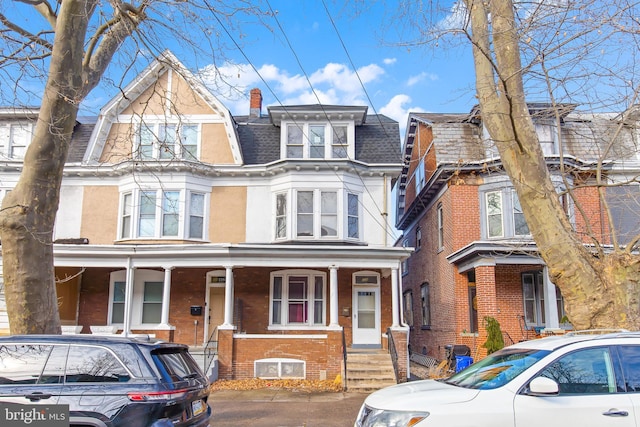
{"x":370,"y":417}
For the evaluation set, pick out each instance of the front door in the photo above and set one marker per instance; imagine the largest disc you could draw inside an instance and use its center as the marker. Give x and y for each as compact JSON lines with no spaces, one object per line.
{"x":216,"y":311}
{"x":366,"y":316}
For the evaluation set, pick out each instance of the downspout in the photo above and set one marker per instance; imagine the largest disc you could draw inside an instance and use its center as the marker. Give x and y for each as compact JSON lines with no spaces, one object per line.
{"x":385,"y":214}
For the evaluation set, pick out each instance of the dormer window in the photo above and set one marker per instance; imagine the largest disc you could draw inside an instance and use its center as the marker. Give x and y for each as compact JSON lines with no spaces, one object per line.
{"x":317,"y":140}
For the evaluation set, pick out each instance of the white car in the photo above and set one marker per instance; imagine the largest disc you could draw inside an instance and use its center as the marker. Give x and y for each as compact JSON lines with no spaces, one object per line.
{"x":570,"y":380}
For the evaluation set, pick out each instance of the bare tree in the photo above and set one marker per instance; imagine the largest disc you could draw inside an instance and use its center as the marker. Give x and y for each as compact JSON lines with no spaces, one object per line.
{"x":567,"y":54}
{"x":69,"y":44}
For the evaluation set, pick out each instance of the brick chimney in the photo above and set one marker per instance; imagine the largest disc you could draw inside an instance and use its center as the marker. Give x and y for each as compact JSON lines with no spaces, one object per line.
{"x":255,"y":105}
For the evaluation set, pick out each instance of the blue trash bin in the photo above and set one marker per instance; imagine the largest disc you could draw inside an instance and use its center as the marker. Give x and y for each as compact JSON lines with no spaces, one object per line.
{"x":463,"y":362}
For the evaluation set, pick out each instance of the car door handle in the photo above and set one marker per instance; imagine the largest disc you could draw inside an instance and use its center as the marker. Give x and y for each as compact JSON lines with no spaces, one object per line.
{"x":615,"y":413}
{"x":37,"y":396}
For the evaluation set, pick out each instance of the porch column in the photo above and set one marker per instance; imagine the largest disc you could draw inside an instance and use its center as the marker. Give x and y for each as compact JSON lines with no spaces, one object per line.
{"x":550,"y":301}
{"x":166,"y":296}
{"x":128,"y":299}
{"x":395,"y":292}
{"x":333,"y":297}
{"x":228,"y":299}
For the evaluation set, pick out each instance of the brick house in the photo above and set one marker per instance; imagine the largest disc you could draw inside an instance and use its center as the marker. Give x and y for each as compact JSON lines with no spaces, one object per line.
{"x":265,"y":237}
{"x":474,"y":256}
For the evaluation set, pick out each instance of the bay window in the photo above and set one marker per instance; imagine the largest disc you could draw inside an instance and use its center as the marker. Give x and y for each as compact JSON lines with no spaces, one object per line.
{"x":160,"y":214}
{"x":297,"y":299}
{"x":317,"y":214}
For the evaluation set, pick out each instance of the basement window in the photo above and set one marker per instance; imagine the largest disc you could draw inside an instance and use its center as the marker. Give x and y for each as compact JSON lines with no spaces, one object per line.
{"x":279,"y":368}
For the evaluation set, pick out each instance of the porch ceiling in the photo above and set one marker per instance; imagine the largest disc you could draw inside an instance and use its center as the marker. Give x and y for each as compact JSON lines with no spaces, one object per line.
{"x":504,"y":252}
{"x":241,"y":255}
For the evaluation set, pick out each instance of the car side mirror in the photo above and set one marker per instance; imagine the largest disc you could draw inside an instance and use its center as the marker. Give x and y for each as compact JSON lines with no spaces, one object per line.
{"x":542,"y":386}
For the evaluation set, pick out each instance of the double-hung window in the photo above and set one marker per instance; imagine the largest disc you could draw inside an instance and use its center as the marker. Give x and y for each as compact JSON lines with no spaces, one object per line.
{"x":306,"y":224}
{"x":167,"y":141}
{"x":353,"y":216}
{"x":408,"y":308}
{"x":317,"y":214}
{"x":340,"y":142}
{"x":503,"y":214}
{"x":152,"y":302}
{"x":281,"y":215}
{"x":440,"y":225}
{"x":15,"y":138}
{"x":425,"y":304}
{"x":158,"y":214}
{"x":117,"y":302}
{"x":196,"y":216}
{"x":317,"y":140}
{"x":494,"y":214}
{"x":297,"y":299}
{"x":533,"y":298}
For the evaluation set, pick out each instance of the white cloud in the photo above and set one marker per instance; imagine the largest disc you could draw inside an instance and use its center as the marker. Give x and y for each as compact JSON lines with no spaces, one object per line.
{"x":457,"y":18}
{"x":389,"y":61}
{"x":413,"y":80}
{"x":332,"y":84}
{"x":398,"y":110}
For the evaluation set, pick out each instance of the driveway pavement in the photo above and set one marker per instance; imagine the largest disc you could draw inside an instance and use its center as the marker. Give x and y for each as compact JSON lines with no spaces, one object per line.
{"x":284,"y":408}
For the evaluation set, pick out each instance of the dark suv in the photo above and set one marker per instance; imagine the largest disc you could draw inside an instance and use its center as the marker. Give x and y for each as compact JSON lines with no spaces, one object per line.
{"x":107,"y":381}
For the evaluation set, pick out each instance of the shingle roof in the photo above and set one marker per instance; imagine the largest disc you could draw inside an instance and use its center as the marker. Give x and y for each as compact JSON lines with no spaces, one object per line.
{"x":377,"y":140}
{"x":458,"y":137}
{"x":80,"y":139}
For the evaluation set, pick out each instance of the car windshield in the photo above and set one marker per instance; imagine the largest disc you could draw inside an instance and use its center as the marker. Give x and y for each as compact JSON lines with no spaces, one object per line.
{"x":497,"y":369}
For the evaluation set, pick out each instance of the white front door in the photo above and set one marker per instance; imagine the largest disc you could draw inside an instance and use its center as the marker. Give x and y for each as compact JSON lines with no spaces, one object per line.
{"x":366,"y":315}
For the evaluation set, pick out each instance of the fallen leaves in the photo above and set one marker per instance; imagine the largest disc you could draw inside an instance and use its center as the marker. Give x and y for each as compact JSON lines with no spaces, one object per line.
{"x":296,"y":385}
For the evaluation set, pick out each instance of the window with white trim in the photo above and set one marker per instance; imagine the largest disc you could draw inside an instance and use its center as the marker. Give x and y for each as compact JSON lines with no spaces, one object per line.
{"x":146,"y":297}
{"x":117,"y":302}
{"x":353,"y":216}
{"x":317,"y":140}
{"x":162,"y":214}
{"x":152,"y":302}
{"x":15,"y":138}
{"x":317,"y":214}
{"x":494,"y":214}
{"x":503,"y":214}
{"x":533,"y":298}
{"x":297,"y":299}
{"x":164,"y":141}
{"x":281,"y":215}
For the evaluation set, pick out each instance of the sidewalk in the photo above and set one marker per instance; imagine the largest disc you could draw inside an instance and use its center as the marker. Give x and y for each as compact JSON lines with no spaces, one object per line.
{"x":284,"y":408}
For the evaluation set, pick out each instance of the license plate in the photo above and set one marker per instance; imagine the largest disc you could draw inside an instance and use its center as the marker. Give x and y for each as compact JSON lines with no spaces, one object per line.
{"x":198,"y":407}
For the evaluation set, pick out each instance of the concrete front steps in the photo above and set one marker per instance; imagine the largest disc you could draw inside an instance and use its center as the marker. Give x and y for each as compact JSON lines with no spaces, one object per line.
{"x":369,"y":370}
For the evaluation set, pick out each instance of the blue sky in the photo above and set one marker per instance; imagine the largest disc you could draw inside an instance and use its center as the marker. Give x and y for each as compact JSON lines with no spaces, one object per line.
{"x":349,"y":66}
{"x":301,"y":58}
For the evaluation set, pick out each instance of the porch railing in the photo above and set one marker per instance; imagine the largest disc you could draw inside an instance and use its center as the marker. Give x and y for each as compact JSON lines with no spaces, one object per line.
{"x":393,"y":352}
{"x":344,"y":360}
{"x":210,"y":349}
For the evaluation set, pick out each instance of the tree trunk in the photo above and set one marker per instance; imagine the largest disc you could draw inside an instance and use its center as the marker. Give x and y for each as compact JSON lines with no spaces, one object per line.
{"x":600,"y":290}
{"x":29,"y":211}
